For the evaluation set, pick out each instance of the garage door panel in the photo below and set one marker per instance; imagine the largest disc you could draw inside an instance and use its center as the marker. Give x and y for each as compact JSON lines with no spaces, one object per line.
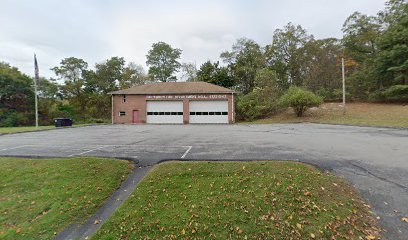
{"x":164,"y":112}
{"x":208,"y":106}
{"x":159,"y":106}
{"x":164,"y":119}
{"x":208,"y":112}
{"x":208,"y":119}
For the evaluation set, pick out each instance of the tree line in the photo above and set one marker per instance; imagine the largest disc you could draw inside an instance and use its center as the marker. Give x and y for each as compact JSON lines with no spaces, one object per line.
{"x":375,"y":50}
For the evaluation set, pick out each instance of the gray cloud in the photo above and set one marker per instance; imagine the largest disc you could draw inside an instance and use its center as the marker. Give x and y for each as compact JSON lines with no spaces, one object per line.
{"x":95,"y":30}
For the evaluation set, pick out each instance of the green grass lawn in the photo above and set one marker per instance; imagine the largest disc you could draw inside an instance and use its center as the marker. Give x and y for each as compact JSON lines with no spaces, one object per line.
{"x":23,"y":129}
{"x":369,"y":114}
{"x":240,"y":200}
{"x":6,"y":130}
{"x":39,"y":198}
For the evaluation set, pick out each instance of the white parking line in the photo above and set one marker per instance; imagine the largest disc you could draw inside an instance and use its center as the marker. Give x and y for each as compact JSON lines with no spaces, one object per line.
{"x":188,"y":150}
{"x":76,"y":150}
{"x":79,"y":154}
{"x":5,"y":149}
{"x":137,"y":145}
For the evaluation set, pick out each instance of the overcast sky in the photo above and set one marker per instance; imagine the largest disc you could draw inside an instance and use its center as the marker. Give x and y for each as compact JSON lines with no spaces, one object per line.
{"x":98,"y":29}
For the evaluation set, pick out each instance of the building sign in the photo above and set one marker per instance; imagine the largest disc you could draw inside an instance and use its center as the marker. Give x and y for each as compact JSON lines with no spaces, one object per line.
{"x":181,"y":97}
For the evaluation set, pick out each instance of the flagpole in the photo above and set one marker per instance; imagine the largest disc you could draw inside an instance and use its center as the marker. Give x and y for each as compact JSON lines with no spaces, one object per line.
{"x":344,"y":85}
{"x":36,"y":104}
{"x":36,"y":78}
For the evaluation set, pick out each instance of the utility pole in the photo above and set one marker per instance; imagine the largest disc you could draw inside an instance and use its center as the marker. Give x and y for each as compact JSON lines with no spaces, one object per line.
{"x":36,"y":79}
{"x":344,"y":85}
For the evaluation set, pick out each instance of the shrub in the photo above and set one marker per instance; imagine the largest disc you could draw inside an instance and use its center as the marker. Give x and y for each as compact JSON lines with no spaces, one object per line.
{"x":333,"y":95}
{"x":95,"y":120}
{"x":300,"y":100}
{"x":394,"y":94}
{"x":12,"y":118}
{"x":65,"y":111}
{"x":326,"y":94}
{"x":256,"y":104}
{"x":262,"y":101}
{"x":376,"y":96}
{"x":338,"y":95}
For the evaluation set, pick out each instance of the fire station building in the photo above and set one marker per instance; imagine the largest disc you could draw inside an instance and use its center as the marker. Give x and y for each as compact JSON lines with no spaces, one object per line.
{"x":173,"y":103}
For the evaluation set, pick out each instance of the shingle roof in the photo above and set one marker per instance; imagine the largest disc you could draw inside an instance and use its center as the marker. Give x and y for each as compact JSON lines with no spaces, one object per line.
{"x":175,"y":88}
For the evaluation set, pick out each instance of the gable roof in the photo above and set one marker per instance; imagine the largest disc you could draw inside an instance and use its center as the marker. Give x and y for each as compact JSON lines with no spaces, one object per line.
{"x":174,"y":88}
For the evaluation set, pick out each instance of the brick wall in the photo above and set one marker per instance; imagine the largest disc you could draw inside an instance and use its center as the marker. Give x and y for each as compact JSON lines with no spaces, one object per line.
{"x":138,"y":103}
{"x":133,"y":102}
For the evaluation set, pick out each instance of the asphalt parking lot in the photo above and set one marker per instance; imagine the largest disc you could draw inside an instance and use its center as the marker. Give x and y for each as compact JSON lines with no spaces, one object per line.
{"x":374,"y":160}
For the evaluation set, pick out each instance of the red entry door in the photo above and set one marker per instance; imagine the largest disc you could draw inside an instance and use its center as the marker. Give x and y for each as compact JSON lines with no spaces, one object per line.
{"x":135,"y":116}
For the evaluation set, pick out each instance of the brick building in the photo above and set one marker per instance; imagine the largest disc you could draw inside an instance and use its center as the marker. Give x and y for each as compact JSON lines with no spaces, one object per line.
{"x":175,"y":103}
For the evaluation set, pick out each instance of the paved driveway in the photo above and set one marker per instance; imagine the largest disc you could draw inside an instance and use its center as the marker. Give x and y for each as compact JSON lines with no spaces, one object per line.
{"x":375,"y":160}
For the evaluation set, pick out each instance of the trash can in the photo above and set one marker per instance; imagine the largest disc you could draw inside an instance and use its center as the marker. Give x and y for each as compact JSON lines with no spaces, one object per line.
{"x":63,"y":122}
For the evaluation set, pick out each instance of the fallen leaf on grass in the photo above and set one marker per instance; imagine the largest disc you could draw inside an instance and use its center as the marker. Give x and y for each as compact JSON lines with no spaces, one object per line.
{"x":183,"y":232}
{"x":312,"y":235}
{"x":370,"y":237}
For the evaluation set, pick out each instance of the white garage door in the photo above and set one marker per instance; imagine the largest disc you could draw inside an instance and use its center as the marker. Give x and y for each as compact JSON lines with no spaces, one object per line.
{"x":164,"y":112}
{"x":208,"y":111}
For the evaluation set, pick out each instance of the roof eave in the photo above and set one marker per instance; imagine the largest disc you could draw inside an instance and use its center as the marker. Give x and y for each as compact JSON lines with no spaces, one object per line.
{"x":123,"y":93}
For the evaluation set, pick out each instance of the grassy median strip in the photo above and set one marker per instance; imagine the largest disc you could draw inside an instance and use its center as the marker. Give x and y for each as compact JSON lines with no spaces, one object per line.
{"x":24,"y":129}
{"x":7,"y":130}
{"x":39,"y":198}
{"x":240,"y":200}
{"x":367,"y":114}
